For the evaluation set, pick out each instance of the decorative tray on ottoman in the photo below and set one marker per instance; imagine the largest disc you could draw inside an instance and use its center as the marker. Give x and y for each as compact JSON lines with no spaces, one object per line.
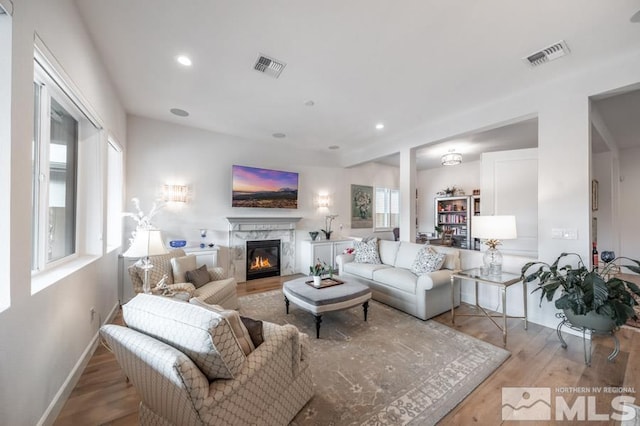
{"x":326,"y":282}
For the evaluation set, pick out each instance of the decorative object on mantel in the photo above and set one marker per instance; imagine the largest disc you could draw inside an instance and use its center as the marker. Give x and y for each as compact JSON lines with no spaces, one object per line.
{"x":313,"y":235}
{"x":361,"y":206}
{"x":327,"y":225}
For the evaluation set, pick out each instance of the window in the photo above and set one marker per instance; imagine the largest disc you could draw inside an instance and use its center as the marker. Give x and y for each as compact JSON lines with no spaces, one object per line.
{"x":114,"y":195}
{"x":387,"y":208}
{"x":59,"y":125}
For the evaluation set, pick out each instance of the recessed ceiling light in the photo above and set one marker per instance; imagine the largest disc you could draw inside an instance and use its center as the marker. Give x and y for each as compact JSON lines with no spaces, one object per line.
{"x":184,"y":60}
{"x":309,"y":103}
{"x":334,"y":147}
{"x":279,"y":135}
{"x":179,"y":112}
{"x":379,"y":126}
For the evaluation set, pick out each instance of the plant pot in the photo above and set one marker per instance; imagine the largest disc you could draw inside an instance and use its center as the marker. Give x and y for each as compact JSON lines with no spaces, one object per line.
{"x":592,"y":320}
{"x":317,"y":280}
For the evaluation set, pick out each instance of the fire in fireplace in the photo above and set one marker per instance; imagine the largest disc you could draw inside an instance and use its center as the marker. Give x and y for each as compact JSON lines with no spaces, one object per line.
{"x":263,"y":259}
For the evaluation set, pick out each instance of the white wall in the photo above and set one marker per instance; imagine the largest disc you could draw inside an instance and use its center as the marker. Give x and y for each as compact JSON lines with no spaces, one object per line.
{"x":160,"y":152}
{"x":45,"y":335}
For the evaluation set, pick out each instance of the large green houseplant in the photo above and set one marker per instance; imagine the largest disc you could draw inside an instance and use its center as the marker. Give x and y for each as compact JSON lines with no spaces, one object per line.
{"x":585,"y":293}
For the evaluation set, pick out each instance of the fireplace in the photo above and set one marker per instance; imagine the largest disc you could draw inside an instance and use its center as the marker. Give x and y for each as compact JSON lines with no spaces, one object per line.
{"x":263,"y":259}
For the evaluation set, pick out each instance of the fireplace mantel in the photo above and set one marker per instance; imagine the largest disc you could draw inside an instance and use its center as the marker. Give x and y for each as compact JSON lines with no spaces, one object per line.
{"x":262,"y":223}
{"x":243,"y":229}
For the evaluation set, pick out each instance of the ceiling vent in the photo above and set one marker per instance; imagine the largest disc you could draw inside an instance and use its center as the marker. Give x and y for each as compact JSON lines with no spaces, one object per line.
{"x":269,"y":66}
{"x":547,"y":54}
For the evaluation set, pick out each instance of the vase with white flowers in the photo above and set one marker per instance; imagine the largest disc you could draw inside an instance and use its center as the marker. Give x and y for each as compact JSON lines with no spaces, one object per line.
{"x":327,"y":225}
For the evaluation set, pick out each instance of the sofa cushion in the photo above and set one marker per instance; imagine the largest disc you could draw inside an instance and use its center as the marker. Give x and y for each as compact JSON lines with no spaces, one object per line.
{"x":388,"y":251}
{"x":400,"y":278}
{"x":180,"y":265}
{"x":204,"y":336}
{"x":364,"y":270}
{"x":217,"y":273}
{"x":407,"y":252}
{"x":233,"y":318}
{"x":367,"y":252}
{"x":198,"y":277}
{"x":427,"y":260}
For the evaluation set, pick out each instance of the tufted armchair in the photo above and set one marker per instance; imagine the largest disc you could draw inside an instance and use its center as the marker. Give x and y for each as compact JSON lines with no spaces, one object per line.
{"x":189,"y":368}
{"x":219,"y":290}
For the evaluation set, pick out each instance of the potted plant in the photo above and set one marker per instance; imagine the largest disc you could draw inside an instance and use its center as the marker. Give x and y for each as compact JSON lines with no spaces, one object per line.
{"x":316,"y":271}
{"x":594,"y":299}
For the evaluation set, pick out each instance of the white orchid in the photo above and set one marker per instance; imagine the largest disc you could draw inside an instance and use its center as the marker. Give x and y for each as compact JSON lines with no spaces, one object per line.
{"x":143,"y":221}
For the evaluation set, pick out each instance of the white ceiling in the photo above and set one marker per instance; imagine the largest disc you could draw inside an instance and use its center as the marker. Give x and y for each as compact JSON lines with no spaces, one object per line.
{"x":360,"y":61}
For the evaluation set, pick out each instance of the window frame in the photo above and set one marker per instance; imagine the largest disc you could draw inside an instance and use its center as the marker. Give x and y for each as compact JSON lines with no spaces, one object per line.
{"x":47,"y":88}
{"x":115,"y":195}
{"x":388,"y":214}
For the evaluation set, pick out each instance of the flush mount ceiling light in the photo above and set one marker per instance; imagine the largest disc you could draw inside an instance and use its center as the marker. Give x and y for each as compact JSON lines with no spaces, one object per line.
{"x":279,"y":135}
{"x":451,"y":158}
{"x":184,"y":60}
{"x":332,"y":147}
{"x":380,"y":126}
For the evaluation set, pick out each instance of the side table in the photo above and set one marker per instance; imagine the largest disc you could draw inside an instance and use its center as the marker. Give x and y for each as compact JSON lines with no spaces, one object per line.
{"x":502,"y":281}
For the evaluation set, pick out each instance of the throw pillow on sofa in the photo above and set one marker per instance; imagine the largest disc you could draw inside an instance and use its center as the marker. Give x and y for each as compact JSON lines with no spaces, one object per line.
{"x":427,"y":261}
{"x":198,"y":277}
{"x":180,"y":265}
{"x":367,"y":252}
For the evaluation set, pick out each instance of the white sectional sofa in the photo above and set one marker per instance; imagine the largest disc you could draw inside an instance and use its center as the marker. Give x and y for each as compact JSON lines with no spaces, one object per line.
{"x":392,"y":282}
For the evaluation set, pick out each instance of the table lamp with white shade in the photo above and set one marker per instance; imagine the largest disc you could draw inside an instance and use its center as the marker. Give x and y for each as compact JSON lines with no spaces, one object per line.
{"x":493,"y":229}
{"x":147,"y":242}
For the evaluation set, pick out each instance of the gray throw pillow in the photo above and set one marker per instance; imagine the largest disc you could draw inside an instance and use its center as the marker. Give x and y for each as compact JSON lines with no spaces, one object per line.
{"x":254,"y":327}
{"x":198,"y":277}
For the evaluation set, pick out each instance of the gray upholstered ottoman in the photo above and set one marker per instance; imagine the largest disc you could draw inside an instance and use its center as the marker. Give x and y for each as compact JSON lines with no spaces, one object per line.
{"x":328,"y":299}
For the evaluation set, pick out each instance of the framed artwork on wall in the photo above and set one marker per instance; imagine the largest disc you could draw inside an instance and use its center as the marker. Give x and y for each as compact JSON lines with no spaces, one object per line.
{"x":361,"y":206}
{"x":594,"y":195}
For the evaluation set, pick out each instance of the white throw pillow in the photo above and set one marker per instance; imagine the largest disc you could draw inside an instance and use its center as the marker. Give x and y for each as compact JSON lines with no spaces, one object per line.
{"x":367,"y":252}
{"x":180,"y":265}
{"x":427,"y":261}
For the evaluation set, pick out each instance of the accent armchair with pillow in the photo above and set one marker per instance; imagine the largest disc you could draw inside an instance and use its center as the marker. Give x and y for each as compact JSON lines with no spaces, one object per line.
{"x":183,"y":275}
{"x":190,"y":368}
{"x":412,"y":277}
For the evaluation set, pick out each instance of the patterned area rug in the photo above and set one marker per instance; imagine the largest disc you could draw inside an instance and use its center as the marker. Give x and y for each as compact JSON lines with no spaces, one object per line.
{"x":393,"y":369}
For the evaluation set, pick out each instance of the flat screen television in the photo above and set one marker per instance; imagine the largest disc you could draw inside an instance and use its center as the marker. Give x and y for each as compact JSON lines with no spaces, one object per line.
{"x":264,"y":188}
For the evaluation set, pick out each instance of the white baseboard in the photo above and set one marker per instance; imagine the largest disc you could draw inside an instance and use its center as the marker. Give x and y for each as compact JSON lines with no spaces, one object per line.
{"x":53,"y":410}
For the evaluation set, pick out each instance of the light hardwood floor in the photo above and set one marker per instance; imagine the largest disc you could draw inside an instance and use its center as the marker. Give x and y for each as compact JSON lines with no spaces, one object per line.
{"x":102,"y":395}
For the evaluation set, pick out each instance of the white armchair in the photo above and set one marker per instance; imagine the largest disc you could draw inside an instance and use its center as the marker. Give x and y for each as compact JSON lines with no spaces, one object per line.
{"x":219,"y":290}
{"x":189,"y":369}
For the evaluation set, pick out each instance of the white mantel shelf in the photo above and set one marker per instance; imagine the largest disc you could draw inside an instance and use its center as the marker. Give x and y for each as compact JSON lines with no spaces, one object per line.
{"x":262,"y":220}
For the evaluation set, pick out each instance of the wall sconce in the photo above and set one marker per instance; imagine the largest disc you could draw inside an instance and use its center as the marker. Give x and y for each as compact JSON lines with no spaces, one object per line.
{"x":323,"y":200}
{"x":175,"y":193}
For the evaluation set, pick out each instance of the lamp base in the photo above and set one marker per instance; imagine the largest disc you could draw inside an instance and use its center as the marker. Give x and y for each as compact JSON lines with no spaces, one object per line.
{"x":492,"y":261}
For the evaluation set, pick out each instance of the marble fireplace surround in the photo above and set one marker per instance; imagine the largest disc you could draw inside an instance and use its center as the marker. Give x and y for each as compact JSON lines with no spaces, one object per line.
{"x":243,"y":229}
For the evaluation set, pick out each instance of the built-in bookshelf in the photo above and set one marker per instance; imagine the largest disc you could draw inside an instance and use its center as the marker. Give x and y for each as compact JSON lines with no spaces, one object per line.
{"x":453,"y":216}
